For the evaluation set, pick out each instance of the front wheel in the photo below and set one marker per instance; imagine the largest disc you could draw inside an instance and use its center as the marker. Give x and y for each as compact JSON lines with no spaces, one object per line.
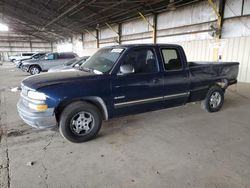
{"x":34,"y":70}
{"x":80,"y":122}
{"x":214,"y":99}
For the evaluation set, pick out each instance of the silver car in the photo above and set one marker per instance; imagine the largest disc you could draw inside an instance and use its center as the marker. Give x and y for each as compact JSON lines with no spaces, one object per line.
{"x":18,"y":63}
{"x":48,"y":61}
{"x":74,"y":63}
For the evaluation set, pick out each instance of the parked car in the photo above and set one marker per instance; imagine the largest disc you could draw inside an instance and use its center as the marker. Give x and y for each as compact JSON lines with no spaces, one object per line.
{"x":122,"y":80}
{"x":74,"y":63}
{"x":21,"y":56}
{"x":18,"y":63}
{"x":48,"y":61}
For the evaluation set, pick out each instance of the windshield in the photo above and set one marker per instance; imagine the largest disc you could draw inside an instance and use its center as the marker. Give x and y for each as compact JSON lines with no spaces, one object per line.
{"x":42,"y":57}
{"x":37,"y":56}
{"x":70,"y":62}
{"x":79,"y":62}
{"x":103,"y":60}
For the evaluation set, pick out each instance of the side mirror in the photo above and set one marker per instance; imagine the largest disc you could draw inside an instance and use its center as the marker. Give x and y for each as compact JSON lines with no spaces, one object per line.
{"x":77,"y":65}
{"x":126,"y":69}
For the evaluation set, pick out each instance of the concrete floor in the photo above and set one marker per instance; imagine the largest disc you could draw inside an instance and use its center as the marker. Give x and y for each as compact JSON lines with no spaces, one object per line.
{"x":179,"y":147}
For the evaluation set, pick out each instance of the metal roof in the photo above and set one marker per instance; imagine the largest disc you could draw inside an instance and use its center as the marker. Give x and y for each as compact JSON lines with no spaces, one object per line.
{"x":58,"y":19}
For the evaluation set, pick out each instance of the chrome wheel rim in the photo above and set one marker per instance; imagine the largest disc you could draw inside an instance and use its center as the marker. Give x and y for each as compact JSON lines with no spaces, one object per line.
{"x":215,"y":99}
{"x":82,"y":123}
{"x":34,"y":70}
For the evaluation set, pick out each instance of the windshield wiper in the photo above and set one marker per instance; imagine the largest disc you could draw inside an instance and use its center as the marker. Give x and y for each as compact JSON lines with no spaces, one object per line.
{"x":90,"y":70}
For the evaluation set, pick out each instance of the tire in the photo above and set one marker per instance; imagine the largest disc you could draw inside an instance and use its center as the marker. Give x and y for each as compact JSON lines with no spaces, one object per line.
{"x":214,"y":99}
{"x":80,"y":122}
{"x":34,"y":70}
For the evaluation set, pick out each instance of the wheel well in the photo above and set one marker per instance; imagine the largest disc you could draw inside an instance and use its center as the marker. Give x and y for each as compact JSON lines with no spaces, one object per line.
{"x":63,"y":104}
{"x":220,"y":83}
{"x":35,"y":66}
{"x":224,"y":83}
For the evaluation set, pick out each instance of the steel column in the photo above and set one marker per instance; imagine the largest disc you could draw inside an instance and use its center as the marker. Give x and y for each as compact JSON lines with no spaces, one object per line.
{"x":217,"y":35}
{"x":153,"y":27}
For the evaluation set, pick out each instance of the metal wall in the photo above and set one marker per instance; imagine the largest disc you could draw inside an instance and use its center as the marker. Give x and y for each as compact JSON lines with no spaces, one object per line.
{"x":231,"y":49}
{"x":190,"y":27}
{"x":12,"y":43}
{"x":89,"y":40}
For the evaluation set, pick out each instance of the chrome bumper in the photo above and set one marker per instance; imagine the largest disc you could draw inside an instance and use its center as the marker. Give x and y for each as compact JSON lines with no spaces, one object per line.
{"x":40,"y":120}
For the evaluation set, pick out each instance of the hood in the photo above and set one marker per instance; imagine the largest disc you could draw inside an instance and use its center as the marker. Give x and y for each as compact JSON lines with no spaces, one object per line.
{"x":29,"y":61}
{"x":46,"y":79}
{"x":57,"y":68}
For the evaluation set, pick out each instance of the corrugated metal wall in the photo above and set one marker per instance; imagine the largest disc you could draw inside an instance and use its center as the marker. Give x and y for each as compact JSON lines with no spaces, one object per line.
{"x":12,"y":43}
{"x":238,"y":49}
{"x":231,"y":49}
{"x":190,"y":27}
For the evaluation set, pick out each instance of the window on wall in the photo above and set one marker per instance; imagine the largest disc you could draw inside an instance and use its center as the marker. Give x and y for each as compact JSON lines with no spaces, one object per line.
{"x":171,"y":59}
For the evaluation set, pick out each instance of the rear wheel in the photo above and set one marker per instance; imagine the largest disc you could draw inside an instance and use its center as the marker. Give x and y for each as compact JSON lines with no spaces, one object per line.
{"x":214,"y":99}
{"x":34,"y":70}
{"x":80,"y":122}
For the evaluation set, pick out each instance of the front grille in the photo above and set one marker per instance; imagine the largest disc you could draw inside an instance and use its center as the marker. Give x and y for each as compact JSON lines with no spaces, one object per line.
{"x":25,"y":101}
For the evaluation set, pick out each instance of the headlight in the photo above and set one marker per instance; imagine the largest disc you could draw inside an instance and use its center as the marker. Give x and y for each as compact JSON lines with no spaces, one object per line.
{"x":36,"y":95}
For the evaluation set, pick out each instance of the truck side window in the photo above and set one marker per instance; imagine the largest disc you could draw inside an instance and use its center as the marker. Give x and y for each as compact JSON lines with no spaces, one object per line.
{"x":171,"y":59}
{"x":142,"y":60}
{"x":50,"y":56}
{"x":27,"y":54}
{"x":66,"y":56}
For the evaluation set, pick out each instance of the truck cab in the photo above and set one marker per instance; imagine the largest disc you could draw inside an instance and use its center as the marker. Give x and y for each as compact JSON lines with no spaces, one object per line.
{"x":157,"y":72}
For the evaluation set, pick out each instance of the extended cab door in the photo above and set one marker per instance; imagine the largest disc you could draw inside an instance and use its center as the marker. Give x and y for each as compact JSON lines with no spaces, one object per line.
{"x":138,"y":84}
{"x":176,"y":77}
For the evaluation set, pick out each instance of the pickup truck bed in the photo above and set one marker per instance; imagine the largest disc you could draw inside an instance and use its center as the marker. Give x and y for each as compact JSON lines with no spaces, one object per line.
{"x":205,"y":74}
{"x":220,"y":70}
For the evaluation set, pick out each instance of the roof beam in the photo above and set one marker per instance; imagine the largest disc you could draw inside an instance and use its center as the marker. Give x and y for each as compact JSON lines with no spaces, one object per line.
{"x":64,"y":13}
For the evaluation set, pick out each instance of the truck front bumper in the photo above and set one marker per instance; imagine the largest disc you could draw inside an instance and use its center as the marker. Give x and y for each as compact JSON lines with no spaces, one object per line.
{"x":40,"y":120}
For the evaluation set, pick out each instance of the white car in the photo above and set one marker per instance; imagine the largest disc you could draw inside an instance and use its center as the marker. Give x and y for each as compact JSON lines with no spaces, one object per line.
{"x":20,"y":56}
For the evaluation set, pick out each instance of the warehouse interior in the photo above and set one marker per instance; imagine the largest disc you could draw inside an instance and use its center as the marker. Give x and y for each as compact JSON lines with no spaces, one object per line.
{"x":85,"y":26}
{"x":193,"y":149}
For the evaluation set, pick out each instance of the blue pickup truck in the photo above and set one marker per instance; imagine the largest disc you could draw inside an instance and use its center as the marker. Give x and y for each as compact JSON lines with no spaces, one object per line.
{"x":121,"y":80}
